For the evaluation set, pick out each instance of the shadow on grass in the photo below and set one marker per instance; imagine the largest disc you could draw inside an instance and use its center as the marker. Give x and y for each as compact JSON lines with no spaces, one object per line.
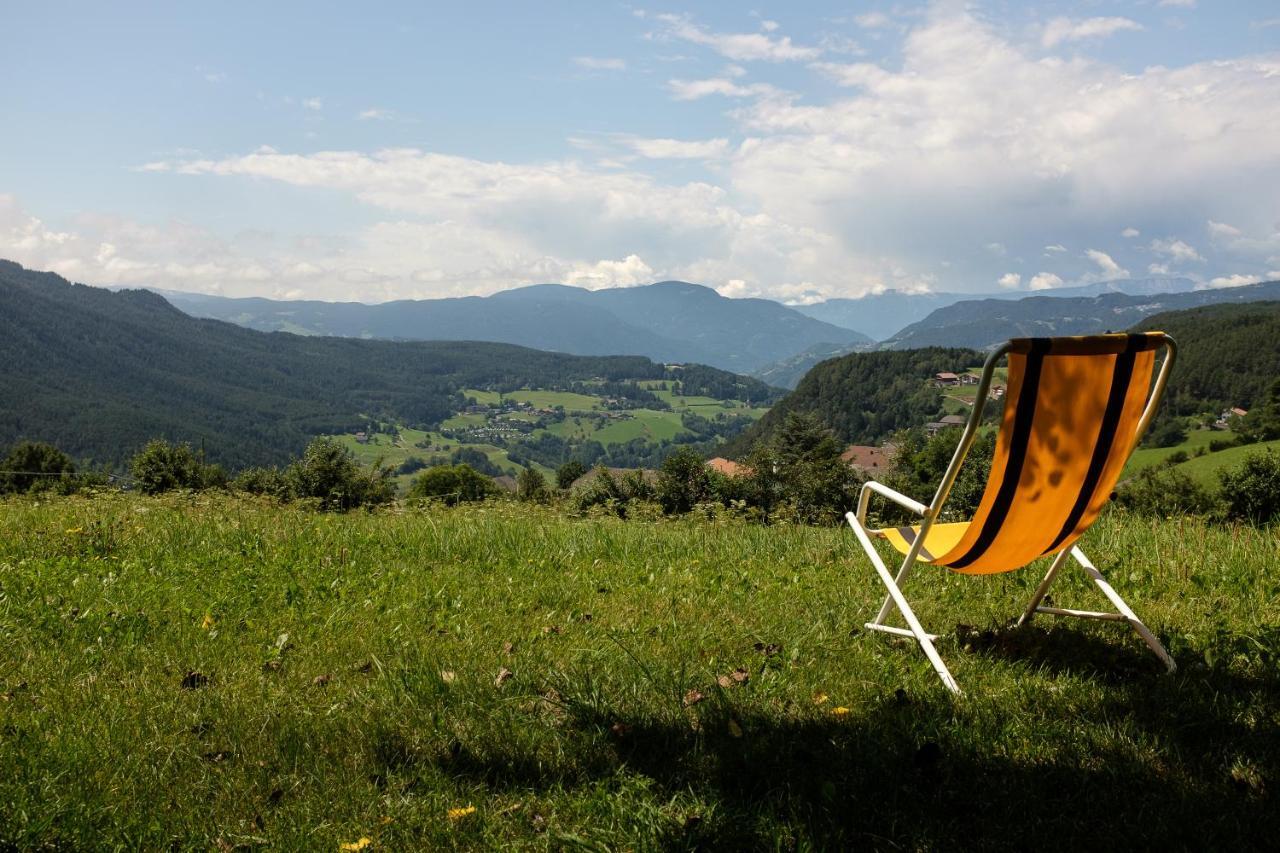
{"x":1182,"y":762}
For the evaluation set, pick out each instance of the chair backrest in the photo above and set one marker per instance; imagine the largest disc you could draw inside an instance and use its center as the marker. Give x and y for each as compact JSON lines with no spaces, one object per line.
{"x":1074,"y":410}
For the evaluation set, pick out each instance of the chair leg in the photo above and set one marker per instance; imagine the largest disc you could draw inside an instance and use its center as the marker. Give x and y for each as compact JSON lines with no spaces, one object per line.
{"x":1119,"y":603}
{"x":1124,"y":612}
{"x":921,"y":636}
{"x":1043,"y":589}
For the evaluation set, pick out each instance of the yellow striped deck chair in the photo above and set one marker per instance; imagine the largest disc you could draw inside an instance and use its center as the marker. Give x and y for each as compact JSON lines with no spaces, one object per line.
{"x":1074,"y":410}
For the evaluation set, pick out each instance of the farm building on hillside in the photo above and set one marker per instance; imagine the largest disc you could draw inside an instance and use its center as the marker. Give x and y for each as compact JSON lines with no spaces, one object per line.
{"x":728,"y":467}
{"x":947,"y":422}
{"x":969,"y":379}
{"x":945,"y":379}
{"x":868,"y":459}
{"x":1224,"y":419}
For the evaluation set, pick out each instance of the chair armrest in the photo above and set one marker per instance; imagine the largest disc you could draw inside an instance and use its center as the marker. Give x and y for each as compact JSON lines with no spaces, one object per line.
{"x":900,"y":499}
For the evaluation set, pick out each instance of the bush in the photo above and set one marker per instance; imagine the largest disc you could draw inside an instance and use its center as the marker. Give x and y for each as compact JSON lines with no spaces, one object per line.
{"x":453,"y":484}
{"x":567,"y":473}
{"x":683,"y":481}
{"x":1169,"y":432}
{"x":162,"y":467}
{"x":801,"y":467}
{"x":531,"y":486}
{"x":262,"y":481}
{"x":33,"y":466}
{"x":412,"y":465}
{"x":1177,"y":457}
{"x":612,"y":494}
{"x":1251,"y":492}
{"x":329,"y":473}
{"x":1164,"y":492}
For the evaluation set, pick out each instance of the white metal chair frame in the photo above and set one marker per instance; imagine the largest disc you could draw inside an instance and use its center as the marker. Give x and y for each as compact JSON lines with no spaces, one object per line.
{"x":930,"y":514}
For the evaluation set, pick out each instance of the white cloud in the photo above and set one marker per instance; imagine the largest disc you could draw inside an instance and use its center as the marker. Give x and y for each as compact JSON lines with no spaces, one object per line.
{"x":1236,"y":280}
{"x":741,"y":47}
{"x":1055,"y":248}
{"x":1010,"y":280}
{"x":1109,"y":268}
{"x":376,"y":114}
{"x":1158,"y":269}
{"x":769,"y":26}
{"x":1130,"y":233}
{"x":679,"y":149}
{"x":997,"y":249}
{"x":313,"y":103}
{"x":1222,"y":229}
{"x":1044,"y":281}
{"x":625,"y":273}
{"x":692,"y":90}
{"x":873,"y":20}
{"x":1065,"y":29}
{"x":600,"y":63}
{"x":1183,"y":4}
{"x":1176,"y":249}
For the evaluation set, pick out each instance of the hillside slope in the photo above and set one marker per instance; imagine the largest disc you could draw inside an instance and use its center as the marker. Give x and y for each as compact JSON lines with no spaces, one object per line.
{"x":99,"y":372}
{"x":1228,"y":355}
{"x":986,"y":323}
{"x":668,"y":321}
{"x":866,"y":396}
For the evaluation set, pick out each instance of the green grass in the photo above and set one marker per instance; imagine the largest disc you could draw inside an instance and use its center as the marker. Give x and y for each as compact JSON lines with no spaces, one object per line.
{"x":648,"y":424}
{"x":209,"y":672}
{"x":1204,"y":469}
{"x":1145,"y":457}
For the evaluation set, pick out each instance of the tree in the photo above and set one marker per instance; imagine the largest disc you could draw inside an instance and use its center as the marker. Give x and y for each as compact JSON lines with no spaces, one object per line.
{"x":452,"y":484}
{"x":32,"y":466}
{"x":328,"y":472}
{"x":802,"y":466}
{"x":1251,"y":492}
{"x":1263,"y":421}
{"x":162,"y":467}
{"x":567,"y":473}
{"x":1168,"y":432}
{"x":683,"y":481}
{"x":531,"y":486}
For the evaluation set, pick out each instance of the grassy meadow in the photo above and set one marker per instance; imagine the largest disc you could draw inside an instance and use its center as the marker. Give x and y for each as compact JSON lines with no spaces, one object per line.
{"x":210,"y":671}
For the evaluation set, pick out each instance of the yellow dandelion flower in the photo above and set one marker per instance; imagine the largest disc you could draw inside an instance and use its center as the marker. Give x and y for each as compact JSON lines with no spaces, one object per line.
{"x":839,"y":710}
{"x":364,"y":842}
{"x":459,"y":813}
{"x":820,"y":698}
{"x":74,"y":530}
{"x":207,"y":622}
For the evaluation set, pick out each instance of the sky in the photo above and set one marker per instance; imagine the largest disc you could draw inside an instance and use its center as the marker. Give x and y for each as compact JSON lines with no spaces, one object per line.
{"x":795,"y":151}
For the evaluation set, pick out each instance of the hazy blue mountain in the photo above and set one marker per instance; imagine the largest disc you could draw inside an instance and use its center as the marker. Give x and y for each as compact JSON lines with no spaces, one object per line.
{"x":986,"y":323}
{"x":669,"y":321}
{"x":879,"y":314}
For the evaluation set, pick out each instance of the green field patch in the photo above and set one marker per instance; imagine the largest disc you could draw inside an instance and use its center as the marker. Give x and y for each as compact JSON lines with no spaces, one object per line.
{"x":1205,"y":469}
{"x":483,"y":398}
{"x":643,"y":423}
{"x":1145,"y":457}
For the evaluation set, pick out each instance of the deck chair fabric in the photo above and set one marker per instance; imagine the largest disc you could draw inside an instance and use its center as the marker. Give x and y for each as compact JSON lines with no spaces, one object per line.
{"x":1075,"y":408}
{"x":1070,"y":422}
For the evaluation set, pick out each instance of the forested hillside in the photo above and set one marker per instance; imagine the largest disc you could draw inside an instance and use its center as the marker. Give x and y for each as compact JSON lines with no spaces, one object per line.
{"x":1228,"y":355}
{"x":867,"y":396}
{"x":99,"y":373}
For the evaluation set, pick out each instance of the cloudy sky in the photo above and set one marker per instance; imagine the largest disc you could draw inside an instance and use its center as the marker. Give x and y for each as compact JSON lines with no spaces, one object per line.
{"x":412,"y":151}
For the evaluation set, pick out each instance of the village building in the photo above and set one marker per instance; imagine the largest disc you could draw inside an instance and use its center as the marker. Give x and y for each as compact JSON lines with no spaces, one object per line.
{"x":947,"y":422}
{"x":728,"y":467}
{"x":867,"y":458}
{"x":1224,"y":419}
{"x":946,"y":379}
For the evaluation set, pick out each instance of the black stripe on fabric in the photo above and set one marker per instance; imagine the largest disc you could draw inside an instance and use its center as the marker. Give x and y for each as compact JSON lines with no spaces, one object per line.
{"x":1023,"y":416}
{"x":1121,"y":379}
{"x":909,"y":536}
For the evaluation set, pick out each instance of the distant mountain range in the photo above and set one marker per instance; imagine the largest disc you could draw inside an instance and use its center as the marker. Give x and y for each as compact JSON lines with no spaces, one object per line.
{"x":877,"y":314}
{"x":670,"y":321}
{"x":986,"y":323}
